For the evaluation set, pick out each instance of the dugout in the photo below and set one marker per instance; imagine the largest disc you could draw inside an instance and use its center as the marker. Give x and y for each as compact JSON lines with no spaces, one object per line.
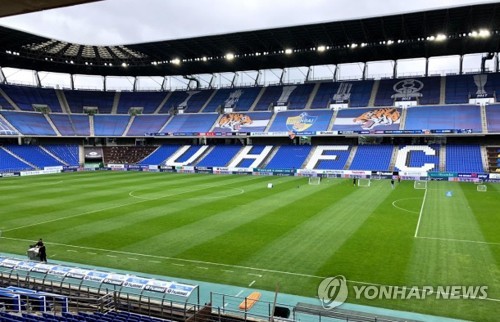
{"x":57,"y":285}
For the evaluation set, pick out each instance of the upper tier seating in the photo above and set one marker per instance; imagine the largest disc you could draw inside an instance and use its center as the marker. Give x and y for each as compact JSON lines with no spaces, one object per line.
{"x":25,"y":97}
{"x":240,"y":99}
{"x":201,"y":122}
{"x":78,"y":99}
{"x":29,"y":123}
{"x":459,"y":87}
{"x":444,"y":118}
{"x":356,"y":92}
{"x":149,"y":101}
{"x":6,"y":129}
{"x":143,"y":124}
{"x":299,"y":97}
{"x":110,"y":125}
{"x":426,"y":90}
{"x":192,"y":101}
{"x":71,"y":124}
{"x":493,"y":118}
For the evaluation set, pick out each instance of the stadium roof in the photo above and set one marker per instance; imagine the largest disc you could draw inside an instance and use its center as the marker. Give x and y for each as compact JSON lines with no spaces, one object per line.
{"x":451,"y":31}
{"x":11,"y":8}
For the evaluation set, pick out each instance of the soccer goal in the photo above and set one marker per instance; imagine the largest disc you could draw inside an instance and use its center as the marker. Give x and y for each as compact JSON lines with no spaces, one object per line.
{"x":482,"y":188}
{"x":364,"y":182}
{"x":419,"y":184}
{"x":314,"y":181}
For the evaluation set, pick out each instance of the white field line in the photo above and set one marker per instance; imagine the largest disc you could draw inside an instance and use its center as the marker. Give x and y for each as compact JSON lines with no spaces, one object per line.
{"x":420,"y":215}
{"x":459,"y":240}
{"x":213,"y":263}
{"x":250,"y":285}
{"x":403,"y":209}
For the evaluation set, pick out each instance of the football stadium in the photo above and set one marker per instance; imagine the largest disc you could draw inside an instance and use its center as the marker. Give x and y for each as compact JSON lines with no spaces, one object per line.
{"x":330,"y":198}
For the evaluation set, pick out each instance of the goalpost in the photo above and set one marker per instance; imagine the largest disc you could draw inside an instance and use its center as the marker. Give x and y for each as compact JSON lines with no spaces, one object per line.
{"x":419,"y":184}
{"x":364,"y":182}
{"x":314,"y":181}
{"x":482,"y":188}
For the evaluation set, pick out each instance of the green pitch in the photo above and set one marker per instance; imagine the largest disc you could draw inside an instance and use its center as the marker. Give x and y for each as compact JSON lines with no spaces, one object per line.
{"x":223,"y":228}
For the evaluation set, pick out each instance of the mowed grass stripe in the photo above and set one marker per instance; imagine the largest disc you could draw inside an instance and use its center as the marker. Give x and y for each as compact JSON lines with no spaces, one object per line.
{"x":377,"y":250}
{"x":207,"y":221}
{"x":142,"y":223}
{"x":442,"y":262}
{"x":93,"y":209}
{"x":73,"y":202}
{"x":309,"y":245}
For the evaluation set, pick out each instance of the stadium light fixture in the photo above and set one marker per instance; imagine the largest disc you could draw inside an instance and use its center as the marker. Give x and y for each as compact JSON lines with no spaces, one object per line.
{"x":176,"y":61}
{"x":124,"y":65}
{"x":441,"y":37}
{"x":390,"y":42}
{"x":484,"y":33}
{"x":321,"y":49}
{"x":354,"y":45}
{"x":229,"y":56}
{"x":288,"y":51}
{"x":204,"y":58}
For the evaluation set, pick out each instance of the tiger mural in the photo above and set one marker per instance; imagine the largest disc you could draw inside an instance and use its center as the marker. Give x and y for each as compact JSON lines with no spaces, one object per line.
{"x":381,"y":116}
{"x":234,"y":121}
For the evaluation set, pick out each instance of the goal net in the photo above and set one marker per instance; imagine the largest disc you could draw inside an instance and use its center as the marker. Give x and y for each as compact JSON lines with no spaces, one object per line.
{"x":420,"y":184}
{"x":314,"y":180}
{"x":482,"y":188}
{"x":364,"y":182}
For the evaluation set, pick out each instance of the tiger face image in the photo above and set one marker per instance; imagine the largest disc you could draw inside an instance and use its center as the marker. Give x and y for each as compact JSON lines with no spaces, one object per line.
{"x":234,"y":121}
{"x":381,"y":116}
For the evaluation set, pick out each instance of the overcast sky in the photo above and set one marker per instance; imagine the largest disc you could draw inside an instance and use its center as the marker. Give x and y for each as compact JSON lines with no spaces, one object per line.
{"x":113,"y":22}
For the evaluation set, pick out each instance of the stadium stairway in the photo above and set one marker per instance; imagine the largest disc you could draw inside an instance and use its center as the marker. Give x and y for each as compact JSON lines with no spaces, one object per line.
{"x":484,"y":121}
{"x":91,"y":123}
{"x":162,"y":103}
{"x":373,"y":95}
{"x":257,"y":99}
{"x":442,"y":158}
{"x":442,"y":92}
{"x":208,"y":100}
{"x":402,"y":119}
{"x":352,"y":154}
{"x":271,"y":121}
{"x":53,"y":155}
{"x":332,"y":121}
{"x":52,"y":125}
{"x":116,"y":100}
{"x":8,"y":99}
{"x":63,"y":101}
{"x":312,"y":96}
{"x":130,"y":121}
{"x":18,"y":157}
{"x":394,"y":156}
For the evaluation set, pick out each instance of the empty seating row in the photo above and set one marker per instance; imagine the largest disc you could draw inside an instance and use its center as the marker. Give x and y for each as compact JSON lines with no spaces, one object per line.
{"x":358,"y":93}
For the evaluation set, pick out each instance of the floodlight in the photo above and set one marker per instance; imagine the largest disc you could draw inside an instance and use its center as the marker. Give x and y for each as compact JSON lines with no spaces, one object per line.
{"x":229,"y":56}
{"x":321,"y":48}
{"x":441,"y":37}
{"x":176,"y":61}
{"x":288,"y":51}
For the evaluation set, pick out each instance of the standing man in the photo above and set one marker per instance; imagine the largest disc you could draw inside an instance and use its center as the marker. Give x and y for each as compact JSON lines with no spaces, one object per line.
{"x":43,"y":254}
{"x":354,"y":182}
{"x":392,"y":182}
